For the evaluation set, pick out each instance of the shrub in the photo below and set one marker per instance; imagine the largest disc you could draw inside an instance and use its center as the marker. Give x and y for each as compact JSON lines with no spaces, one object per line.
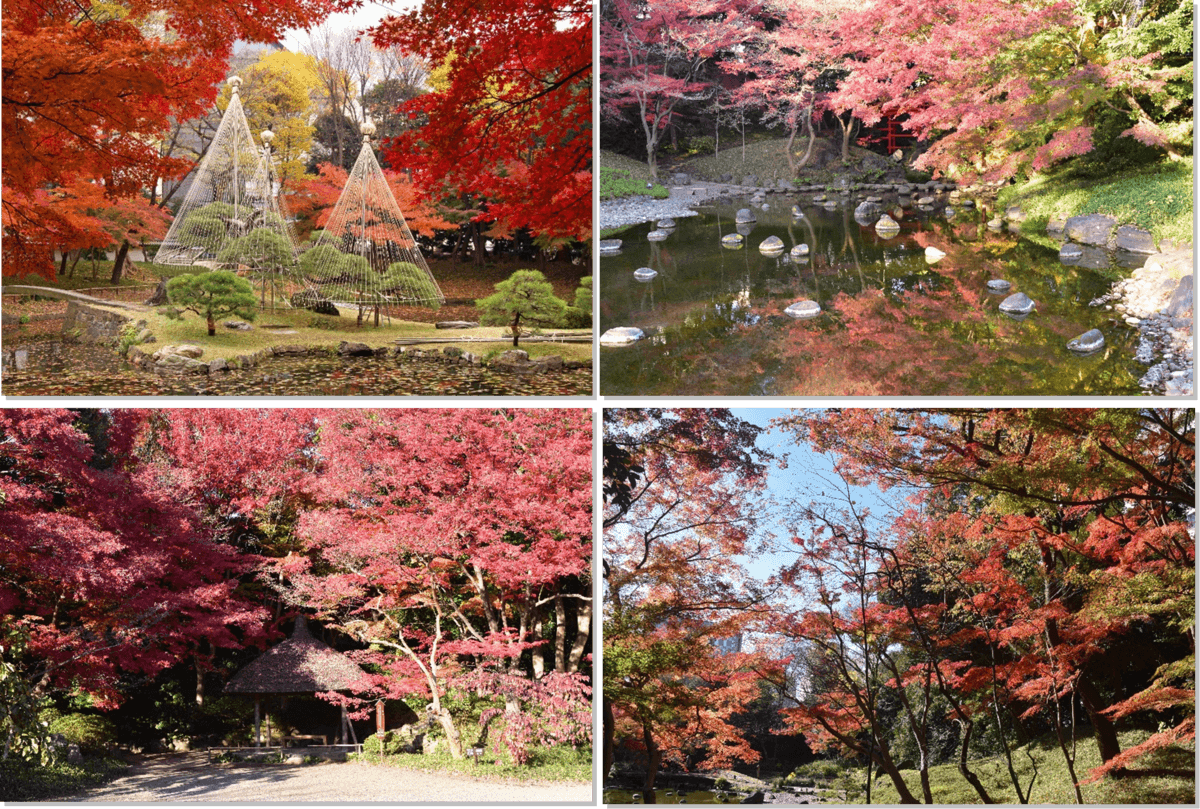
{"x":260,"y":248}
{"x":212,"y":295}
{"x":414,"y":283}
{"x":324,"y":261}
{"x":93,"y":733}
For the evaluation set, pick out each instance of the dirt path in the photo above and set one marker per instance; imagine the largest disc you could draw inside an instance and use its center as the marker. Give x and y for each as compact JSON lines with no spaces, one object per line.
{"x":190,"y":778}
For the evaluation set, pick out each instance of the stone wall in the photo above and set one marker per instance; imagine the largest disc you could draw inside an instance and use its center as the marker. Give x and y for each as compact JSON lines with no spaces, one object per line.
{"x":90,"y":324}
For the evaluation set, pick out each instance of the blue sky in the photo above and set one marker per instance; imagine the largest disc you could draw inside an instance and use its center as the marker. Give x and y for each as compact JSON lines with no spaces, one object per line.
{"x":808,"y":478}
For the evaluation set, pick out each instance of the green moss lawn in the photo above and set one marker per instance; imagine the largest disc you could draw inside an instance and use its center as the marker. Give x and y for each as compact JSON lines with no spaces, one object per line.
{"x":1161,"y":780}
{"x":1157,"y":197}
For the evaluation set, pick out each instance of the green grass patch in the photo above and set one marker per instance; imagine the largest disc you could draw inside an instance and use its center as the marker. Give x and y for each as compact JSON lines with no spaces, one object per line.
{"x":22,"y":782}
{"x":1053,"y":782}
{"x":622,"y":176}
{"x":553,"y":764}
{"x":1156,"y":197}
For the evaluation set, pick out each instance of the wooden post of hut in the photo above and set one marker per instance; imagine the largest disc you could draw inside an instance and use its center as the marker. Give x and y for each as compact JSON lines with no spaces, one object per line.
{"x":299,"y":666}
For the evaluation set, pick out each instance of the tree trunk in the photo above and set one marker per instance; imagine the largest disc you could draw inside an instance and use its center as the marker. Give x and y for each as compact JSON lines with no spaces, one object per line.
{"x":119,"y":264}
{"x":560,"y":633}
{"x":971,"y":777}
{"x":608,"y":742}
{"x":453,"y":740}
{"x":583,"y":629}
{"x":812,"y":137}
{"x":653,"y":762}
{"x":848,"y":129}
{"x":212,"y":326}
{"x":792,"y":167}
{"x":62,"y":270}
{"x":516,"y":328}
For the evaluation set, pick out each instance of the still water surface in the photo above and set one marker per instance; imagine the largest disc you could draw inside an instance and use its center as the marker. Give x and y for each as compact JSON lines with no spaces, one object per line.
{"x":891,"y":323}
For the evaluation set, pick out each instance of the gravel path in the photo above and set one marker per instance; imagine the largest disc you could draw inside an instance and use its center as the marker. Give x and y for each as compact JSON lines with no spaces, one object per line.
{"x":634,"y":210}
{"x":190,"y":778}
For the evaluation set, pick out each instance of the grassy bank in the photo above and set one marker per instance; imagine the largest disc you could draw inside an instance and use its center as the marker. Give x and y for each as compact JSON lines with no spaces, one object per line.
{"x":1156,"y":197}
{"x":1052,"y":784}
{"x":552,"y":764}
{"x":622,"y":177}
{"x":21,"y":782}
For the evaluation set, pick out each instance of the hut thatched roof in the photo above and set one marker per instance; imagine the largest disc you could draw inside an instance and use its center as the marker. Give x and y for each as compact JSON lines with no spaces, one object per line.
{"x":299,"y":665}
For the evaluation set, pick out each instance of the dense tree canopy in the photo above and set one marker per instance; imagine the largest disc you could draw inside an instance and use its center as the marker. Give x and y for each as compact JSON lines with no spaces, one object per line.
{"x":450,"y":548}
{"x":958,"y":582}
{"x":512,"y":126}
{"x":90,"y":88}
{"x":992,"y":87}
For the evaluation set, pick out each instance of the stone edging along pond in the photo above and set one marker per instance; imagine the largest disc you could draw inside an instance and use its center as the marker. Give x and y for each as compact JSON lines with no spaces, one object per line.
{"x":92,"y":324}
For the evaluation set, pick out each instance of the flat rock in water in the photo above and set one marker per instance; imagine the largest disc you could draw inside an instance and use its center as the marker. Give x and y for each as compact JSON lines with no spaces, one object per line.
{"x":802,"y":310}
{"x":771,"y":246}
{"x":796,"y":212}
{"x":348,"y":349}
{"x":744,"y":216}
{"x":1017,"y":304}
{"x":610,"y":247}
{"x":644,"y":274}
{"x":1070,"y":252}
{"x":455,"y":324}
{"x":732,"y":240}
{"x":1093,"y":228}
{"x":932,"y":254}
{"x":621,"y":336}
{"x":1135,"y":240}
{"x":800,"y":250}
{"x":998,"y":285}
{"x":1087,"y":342}
{"x":665,"y":224}
{"x":657,"y":236}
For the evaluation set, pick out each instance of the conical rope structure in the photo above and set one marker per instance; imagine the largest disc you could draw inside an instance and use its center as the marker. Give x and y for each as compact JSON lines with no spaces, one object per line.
{"x":231,"y":216}
{"x":366,"y":256}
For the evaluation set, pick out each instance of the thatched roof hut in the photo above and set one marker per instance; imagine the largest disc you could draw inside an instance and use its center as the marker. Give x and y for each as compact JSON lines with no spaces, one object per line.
{"x":299,"y":666}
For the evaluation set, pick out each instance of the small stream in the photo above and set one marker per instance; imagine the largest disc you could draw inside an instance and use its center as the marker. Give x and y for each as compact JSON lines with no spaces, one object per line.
{"x":891,"y":323}
{"x":55,"y":368}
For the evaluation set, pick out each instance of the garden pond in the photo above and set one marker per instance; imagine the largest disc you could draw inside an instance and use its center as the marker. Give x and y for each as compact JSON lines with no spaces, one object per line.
{"x":55,"y":368}
{"x":891,"y":323}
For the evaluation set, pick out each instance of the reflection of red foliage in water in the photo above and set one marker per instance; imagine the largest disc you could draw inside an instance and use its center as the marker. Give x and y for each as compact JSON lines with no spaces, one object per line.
{"x":920,"y":341}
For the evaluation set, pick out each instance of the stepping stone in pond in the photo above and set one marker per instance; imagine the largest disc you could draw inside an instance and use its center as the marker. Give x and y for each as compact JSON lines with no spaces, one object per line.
{"x":996,"y":224}
{"x":887,"y":227}
{"x":925,"y":201}
{"x":610,"y":247}
{"x":796,"y":212}
{"x":998,"y":285}
{"x":644,"y":274}
{"x":665,"y":224}
{"x":800,"y":251}
{"x":621,"y":336}
{"x":1070,"y":252}
{"x":933,"y":255}
{"x":819,"y":198}
{"x":1087,"y":343}
{"x":732,"y":240}
{"x":1017,"y":304}
{"x":771,"y":246}
{"x":657,"y":236}
{"x":744,"y":216}
{"x":803,"y":310}
{"x":949,"y":213}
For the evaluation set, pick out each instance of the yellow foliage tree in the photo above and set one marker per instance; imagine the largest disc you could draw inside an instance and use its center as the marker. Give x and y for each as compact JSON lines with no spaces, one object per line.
{"x":278,"y":92}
